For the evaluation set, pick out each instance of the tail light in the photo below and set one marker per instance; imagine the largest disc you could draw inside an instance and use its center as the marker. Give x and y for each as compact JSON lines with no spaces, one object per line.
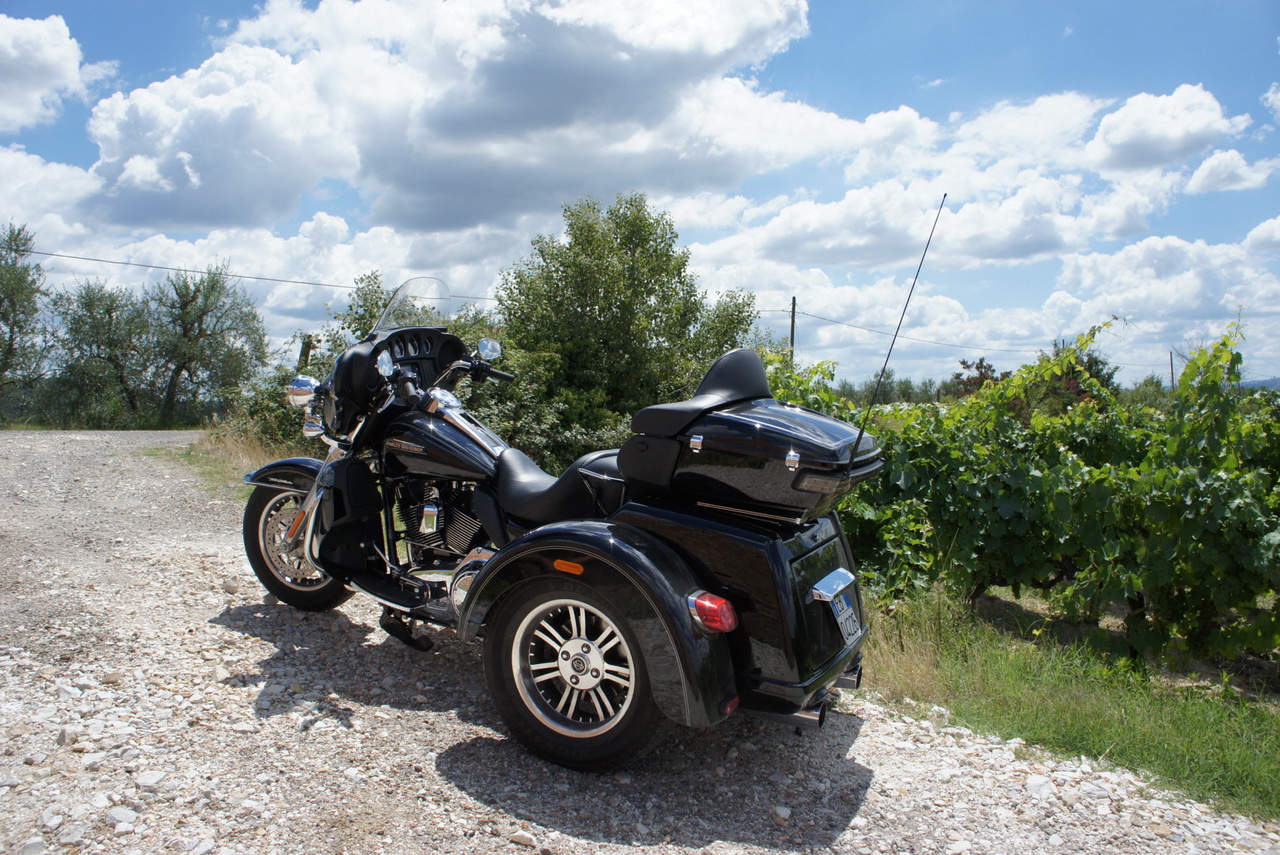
{"x":712,"y":612}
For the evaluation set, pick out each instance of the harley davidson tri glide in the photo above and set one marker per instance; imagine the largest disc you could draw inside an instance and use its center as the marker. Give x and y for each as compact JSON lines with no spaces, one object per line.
{"x":695,"y":572}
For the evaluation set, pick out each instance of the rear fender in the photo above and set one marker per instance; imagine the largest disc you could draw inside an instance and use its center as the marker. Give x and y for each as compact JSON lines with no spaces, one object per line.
{"x":690,"y":672}
{"x":293,"y":473}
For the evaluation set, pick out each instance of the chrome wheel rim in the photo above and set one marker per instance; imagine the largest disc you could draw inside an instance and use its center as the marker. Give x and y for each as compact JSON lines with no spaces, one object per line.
{"x":290,"y":566}
{"x":573,"y":668}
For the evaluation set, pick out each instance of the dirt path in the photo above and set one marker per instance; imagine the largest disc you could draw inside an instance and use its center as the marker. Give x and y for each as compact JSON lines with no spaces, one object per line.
{"x":150,"y":701}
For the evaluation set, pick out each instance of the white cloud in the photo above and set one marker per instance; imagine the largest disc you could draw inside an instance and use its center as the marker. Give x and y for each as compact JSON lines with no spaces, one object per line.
{"x":40,"y":65}
{"x":1165,"y":279}
{"x":1271,"y":100}
{"x":1048,"y":131}
{"x":42,"y":195}
{"x":1265,"y":237}
{"x":236,"y":141}
{"x":1228,"y":170}
{"x":1155,"y":131}
{"x":744,"y":30}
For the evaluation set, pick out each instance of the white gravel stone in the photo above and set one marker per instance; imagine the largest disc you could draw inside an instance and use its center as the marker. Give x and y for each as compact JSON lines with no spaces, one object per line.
{"x":118,"y":815}
{"x":1040,"y":787}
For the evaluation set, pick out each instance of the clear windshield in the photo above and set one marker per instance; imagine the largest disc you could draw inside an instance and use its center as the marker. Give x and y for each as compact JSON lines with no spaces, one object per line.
{"x":420,"y":302}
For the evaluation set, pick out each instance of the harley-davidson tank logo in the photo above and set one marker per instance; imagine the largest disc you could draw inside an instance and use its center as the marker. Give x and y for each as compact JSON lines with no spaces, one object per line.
{"x":401,"y":445}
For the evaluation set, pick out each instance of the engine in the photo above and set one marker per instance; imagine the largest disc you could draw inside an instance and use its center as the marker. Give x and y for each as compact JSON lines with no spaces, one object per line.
{"x":437,"y":517}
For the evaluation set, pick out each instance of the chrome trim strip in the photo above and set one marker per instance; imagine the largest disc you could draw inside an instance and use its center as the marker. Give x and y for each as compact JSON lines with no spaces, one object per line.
{"x":746,"y":513}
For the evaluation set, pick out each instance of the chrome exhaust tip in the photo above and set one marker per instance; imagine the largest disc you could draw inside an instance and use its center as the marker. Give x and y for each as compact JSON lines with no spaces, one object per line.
{"x":811,"y":719}
{"x":850,"y":679}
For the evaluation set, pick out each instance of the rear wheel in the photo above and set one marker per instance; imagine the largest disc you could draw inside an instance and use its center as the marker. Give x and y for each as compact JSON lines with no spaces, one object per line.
{"x":285,"y":572}
{"x":568,"y":677}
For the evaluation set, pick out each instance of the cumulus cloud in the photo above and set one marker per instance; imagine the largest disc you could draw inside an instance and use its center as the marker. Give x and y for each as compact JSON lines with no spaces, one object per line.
{"x":1164,"y":279}
{"x":1155,"y":131}
{"x":40,"y":66}
{"x":1228,"y":170}
{"x":1265,"y":237}
{"x":1271,"y":100}
{"x":234,"y":142}
{"x":43,"y":195}
{"x":464,"y":113}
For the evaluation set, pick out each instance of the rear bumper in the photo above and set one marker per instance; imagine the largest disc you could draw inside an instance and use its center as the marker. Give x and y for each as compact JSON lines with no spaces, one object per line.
{"x":778,"y":698}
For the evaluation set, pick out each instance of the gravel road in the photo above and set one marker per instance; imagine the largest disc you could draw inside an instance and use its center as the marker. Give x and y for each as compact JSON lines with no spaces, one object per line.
{"x":152,"y":701}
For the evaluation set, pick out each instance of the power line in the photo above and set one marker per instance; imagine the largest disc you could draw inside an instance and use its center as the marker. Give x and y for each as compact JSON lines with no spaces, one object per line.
{"x":983,"y":348}
{"x":230,"y":274}
{"x":917,"y":340}
{"x":492,"y":299}
{"x":187,"y":270}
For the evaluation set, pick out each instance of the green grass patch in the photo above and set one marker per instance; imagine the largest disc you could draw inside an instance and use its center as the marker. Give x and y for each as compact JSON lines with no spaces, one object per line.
{"x":222,"y":461}
{"x":1208,"y":741}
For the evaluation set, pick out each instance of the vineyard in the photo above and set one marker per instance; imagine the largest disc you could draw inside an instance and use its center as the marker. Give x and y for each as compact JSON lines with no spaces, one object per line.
{"x":1167,"y":520}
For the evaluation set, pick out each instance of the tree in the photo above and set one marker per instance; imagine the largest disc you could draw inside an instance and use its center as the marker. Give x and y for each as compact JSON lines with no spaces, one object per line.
{"x":979,"y":374}
{"x":23,"y":336}
{"x":209,"y":339}
{"x":104,"y":346}
{"x":173,"y":354}
{"x":613,"y":314}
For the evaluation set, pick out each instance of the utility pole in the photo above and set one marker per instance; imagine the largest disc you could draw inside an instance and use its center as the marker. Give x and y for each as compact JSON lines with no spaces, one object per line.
{"x":1171,"y":383}
{"x":791,"y":351}
{"x":304,"y":356}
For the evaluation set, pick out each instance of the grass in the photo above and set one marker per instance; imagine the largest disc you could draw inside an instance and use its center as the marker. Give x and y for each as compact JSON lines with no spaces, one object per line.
{"x":222,"y":459}
{"x":1210,"y":741}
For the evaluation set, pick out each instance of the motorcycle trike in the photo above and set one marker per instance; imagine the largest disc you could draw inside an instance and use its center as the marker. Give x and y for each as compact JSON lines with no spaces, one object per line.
{"x":695,"y":573}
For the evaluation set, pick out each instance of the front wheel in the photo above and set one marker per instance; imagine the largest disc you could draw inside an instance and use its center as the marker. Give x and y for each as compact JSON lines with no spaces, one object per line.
{"x":569,"y":678}
{"x":286,"y":573}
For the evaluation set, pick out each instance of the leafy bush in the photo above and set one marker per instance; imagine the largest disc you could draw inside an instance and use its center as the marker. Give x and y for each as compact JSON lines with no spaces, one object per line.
{"x":1173,"y":518}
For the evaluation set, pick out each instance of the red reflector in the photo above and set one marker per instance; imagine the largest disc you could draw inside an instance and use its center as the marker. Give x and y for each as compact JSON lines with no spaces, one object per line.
{"x":729,"y":705}
{"x":715,"y":613}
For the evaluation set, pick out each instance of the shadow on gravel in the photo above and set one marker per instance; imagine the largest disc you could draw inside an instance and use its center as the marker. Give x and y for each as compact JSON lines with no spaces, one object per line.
{"x":699,"y":787}
{"x":725,"y":783}
{"x":323,"y":661}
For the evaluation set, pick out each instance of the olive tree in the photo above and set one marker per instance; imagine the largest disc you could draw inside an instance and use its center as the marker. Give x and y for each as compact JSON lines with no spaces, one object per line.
{"x":23,"y":335}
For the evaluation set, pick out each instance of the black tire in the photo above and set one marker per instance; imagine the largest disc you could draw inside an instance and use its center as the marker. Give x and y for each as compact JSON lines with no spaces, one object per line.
{"x":287,"y":574}
{"x":549,"y":632}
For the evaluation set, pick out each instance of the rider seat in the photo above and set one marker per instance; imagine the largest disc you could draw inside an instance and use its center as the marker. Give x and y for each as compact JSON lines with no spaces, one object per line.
{"x":590,"y":487}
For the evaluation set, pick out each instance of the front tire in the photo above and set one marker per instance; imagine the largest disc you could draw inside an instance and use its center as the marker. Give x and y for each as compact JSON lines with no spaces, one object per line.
{"x":569,"y":678}
{"x":286,"y":573}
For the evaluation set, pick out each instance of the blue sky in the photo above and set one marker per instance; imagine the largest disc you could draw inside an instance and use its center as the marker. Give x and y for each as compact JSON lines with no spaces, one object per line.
{"x":1100,"y":159}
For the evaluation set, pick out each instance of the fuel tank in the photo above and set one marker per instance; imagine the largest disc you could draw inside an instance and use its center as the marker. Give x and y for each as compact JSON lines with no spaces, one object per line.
{"x":428,"y":445}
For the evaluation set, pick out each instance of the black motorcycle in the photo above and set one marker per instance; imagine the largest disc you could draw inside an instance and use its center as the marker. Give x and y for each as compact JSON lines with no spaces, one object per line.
{"x":696,"y":571}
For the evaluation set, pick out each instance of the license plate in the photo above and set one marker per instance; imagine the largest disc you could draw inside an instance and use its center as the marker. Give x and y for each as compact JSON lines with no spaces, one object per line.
{"x":846,"y":616}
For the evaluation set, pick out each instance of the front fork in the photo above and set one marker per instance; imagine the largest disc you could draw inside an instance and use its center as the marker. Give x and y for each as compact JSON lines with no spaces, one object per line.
{"x":303,"y":526}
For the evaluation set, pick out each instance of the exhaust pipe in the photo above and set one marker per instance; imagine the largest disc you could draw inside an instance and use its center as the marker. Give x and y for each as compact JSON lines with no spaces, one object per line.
{"x":810,"y":719}
{"x":852,"y":678}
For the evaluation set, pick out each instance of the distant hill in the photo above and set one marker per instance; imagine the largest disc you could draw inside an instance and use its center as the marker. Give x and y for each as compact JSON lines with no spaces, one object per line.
{"x":1270,"y":383}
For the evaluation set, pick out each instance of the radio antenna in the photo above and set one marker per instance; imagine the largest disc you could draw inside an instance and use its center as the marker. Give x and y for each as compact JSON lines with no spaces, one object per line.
{"x":910,"y":291}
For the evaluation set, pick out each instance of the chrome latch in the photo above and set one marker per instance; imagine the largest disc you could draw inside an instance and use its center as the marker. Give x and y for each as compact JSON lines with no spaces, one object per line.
{"x":831,"y":585}
{"x":793,"y":460}
{"x":695,"y":444}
